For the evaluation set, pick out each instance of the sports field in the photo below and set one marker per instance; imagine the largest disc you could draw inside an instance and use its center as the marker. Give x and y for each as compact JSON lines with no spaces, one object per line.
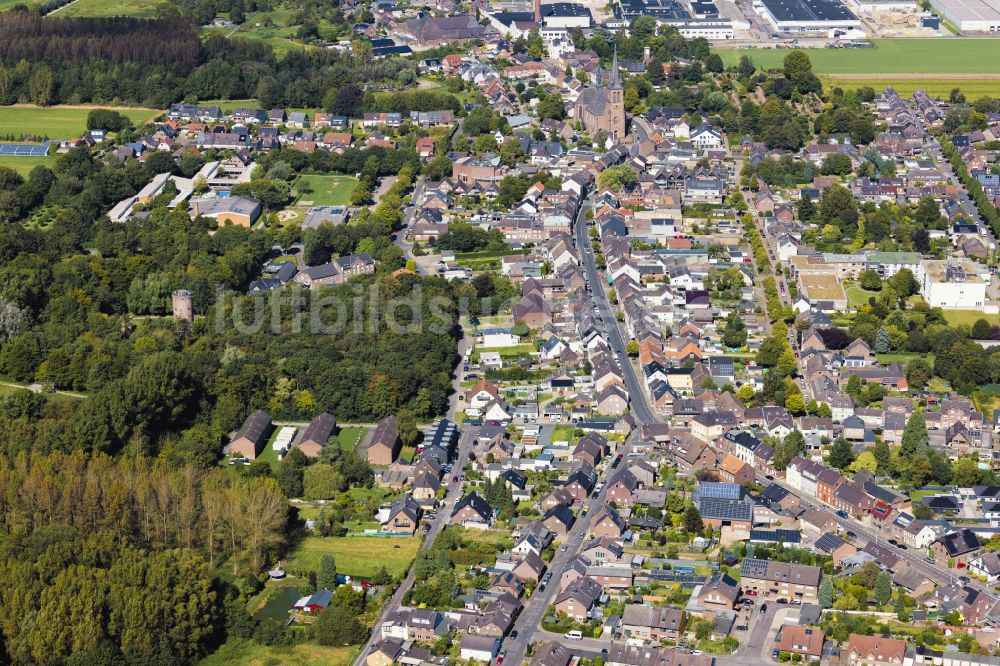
{"x":325,"y":190}
{"x":56,"y":122}
{"x":891,"y":56}
{"x":101,"y":8}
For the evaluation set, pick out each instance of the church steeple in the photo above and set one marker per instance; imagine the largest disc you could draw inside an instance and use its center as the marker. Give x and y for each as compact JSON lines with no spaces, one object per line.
{"x":615,"y":80}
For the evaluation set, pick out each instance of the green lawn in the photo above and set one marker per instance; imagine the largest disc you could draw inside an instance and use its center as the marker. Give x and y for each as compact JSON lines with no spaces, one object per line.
{"x":968,"y":317}
{"x":564,"y":434}
{"x":326,"y":190}
{"x":350,"y":438}
{"x":24,"y":165}
{"x":357,"y":555}
{"x":856,"y":296}
{"x":244,"y":652}
{"x":101,"y":8}
{"x":56,"y":122}
{"x":890,"y":56}
{"x":905,"y":357}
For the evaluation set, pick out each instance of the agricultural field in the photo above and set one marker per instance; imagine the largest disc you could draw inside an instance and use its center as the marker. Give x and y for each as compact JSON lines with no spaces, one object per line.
{"x":57,"y":122}
{"x":935,"y":86}
{"x":355,"y":555}
{"x":325,"y":190}
{"x":102,"y":8}
{"x":911,"y":57}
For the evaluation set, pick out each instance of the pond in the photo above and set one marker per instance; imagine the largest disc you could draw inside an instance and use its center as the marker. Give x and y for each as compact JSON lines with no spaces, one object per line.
{"x":279,"y":605}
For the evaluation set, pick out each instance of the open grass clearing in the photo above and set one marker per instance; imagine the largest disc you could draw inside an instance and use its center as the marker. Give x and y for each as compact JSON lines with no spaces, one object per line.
{"x":317,"y":190}
{"x":102,"y":8}
{"x":358,"y":556}
{"x":856,"y":296}
{"x":968,"y":317}
{"x":905,"y":357}
{"x":246,"y":652}
{"x":24,"y":165}
{"x":57,"y":122}
{"x":911,"y":57}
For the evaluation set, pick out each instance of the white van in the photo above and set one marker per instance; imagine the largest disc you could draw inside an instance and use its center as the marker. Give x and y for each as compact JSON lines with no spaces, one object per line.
{"x":576,"y":634}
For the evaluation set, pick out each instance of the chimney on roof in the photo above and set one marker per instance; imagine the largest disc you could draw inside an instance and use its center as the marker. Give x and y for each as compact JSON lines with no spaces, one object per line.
{"x":538,"y":12}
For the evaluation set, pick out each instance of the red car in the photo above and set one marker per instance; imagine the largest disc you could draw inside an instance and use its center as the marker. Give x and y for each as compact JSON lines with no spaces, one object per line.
{"x":454,"y":478}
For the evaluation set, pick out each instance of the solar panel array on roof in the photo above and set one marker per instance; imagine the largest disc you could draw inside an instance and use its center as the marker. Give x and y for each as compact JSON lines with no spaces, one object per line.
{"x":24,"y":149}
{"x":829,"y":543}
{"x":666,"y":10}
{"x":720,"y":490}
{"x":776,"y":536}
{"x":725,"y":509}
{"x":753,"y":568}
{"x":808,"y":10}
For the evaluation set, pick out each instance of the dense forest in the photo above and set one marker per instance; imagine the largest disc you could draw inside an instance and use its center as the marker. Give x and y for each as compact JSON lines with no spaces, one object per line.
{"x":158,"y":61}
{"x":115,"y":558}
{"x":148,"y":557}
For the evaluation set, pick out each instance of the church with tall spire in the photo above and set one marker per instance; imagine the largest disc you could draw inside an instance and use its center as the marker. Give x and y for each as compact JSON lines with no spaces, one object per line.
{"x":601,"y":108}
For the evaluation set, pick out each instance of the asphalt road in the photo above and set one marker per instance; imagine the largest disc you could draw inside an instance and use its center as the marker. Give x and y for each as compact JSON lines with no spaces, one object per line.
{"x":454,"y":492}
{"x":408,"y":214}
{"x":527,"y":624}
{"x":938,"y":573}
{"x":638,"y":404}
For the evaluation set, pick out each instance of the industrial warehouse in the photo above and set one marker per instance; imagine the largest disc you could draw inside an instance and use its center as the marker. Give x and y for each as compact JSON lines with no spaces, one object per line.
{"x":790,"y":16}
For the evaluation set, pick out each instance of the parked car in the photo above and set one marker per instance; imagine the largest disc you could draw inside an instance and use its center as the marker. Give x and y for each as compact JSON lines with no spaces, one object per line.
{"x":841,"y":513}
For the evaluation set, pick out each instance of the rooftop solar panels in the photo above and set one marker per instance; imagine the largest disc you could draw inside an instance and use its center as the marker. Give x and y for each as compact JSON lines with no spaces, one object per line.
{"x":829,"y":543}
{"x":753,"y":568}
{"x":725,"y":509}
{"x":24,"y":149}
{"x":665,"y":10}
{"x":801,"y":11}
{"x":730,"y":491}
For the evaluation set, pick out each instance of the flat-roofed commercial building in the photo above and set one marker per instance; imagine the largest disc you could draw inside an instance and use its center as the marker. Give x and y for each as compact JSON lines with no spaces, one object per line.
{"x":807,"y":15}
{"x":971,"y":15}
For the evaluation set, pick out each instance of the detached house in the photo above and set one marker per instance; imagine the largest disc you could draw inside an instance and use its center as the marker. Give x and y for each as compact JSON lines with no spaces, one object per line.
{"x":473,"y":511}
{"x":404,"y":516}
